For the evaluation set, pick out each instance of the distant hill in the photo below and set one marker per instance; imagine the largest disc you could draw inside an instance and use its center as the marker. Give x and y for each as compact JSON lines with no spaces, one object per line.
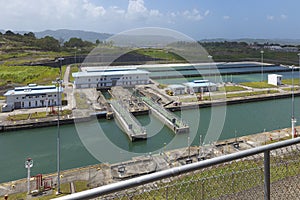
{"x":259,"y":41}
{"x":66,"y":34}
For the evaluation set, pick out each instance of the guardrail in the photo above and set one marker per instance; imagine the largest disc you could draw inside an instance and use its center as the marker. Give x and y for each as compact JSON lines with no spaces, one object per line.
{"x":263,"y":172}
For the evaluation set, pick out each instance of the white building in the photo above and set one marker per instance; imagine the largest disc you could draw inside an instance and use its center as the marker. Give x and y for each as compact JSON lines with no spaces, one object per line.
{"x":200,"y":86}
{"x":274,"y":79}
{"x":177,"y":89}
{"x":32,"y":96}
{"x":105,"y":78}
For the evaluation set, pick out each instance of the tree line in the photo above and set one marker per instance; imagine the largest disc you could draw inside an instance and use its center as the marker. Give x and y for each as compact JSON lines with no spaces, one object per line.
{"x":47,"y":43}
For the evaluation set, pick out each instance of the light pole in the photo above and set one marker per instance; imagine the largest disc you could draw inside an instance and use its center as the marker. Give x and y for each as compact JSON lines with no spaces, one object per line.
{"x":293,"y":120}
{"x":28,"y":165}
{"x":75,"y":55}
{"x":262,"y":65}
{"x":58,"y":81}
{"x":210,"y":59}
{"x":299,"y":67}
{"x":59,"y":61}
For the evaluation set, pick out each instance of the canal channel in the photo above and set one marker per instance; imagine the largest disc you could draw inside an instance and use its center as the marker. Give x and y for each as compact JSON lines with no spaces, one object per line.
{"x":40,"y":144}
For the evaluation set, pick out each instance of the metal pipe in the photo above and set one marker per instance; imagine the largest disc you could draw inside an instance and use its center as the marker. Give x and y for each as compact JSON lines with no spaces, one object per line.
{"x":58,"y":140}
{"x":134,"y":182}
{"x":267,"y":175}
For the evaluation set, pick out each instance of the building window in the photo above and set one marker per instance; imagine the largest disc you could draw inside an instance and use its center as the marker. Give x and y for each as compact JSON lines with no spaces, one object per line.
{"x":100,"y":79}
{"x":22,"y":104}
{"x":35,"y":103}
{"x":89,"y":80}
{"x":50,"y":95}
{"x":23,"y":97}
{"x":97,"y":79}
{"x":29,"y":104}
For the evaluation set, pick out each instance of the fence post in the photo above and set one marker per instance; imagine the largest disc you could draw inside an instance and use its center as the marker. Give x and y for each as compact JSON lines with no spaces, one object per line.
{"x":267,"y":175}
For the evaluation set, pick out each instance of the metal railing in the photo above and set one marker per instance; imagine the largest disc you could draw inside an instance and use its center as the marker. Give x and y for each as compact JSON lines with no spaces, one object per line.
{"x":265,"y":172}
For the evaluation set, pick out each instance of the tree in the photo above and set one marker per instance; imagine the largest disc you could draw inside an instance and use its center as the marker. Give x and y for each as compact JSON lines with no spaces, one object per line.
{"x":74,"y":42}
{"x":9,"y":33}
{"x":30,"y":35}
{"x":48,"y":43}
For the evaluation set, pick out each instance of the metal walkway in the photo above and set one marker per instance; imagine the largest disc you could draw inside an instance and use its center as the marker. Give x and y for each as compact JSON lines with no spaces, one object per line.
{"x":168,"y":118}
{"x":127,"y":121}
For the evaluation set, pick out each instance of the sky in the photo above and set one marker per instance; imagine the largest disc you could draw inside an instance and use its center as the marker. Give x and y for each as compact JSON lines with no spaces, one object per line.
{"x":198,"y":19}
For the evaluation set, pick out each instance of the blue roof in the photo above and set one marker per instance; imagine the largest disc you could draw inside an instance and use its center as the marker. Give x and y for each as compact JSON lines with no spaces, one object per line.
{"x":109,"y":72}
{"x":33,"y":89}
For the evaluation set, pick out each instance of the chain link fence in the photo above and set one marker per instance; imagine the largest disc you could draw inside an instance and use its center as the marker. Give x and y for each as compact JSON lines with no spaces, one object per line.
{"x":268,"y":172}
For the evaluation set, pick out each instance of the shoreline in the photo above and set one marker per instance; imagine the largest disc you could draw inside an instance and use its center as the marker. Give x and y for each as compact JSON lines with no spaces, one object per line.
{"x":104,"y":173}
{"x":45,"y":122}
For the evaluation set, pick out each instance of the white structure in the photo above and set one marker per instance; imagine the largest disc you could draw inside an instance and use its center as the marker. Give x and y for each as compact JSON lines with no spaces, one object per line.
{"x":177,"y":89}
{"x":32,"y":96}
{"x":105,"y":78}
{"x":274,"y":79}
{"x":200,"y":86}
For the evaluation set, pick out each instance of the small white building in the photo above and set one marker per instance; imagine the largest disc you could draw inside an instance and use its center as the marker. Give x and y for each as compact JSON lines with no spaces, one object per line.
{"x":274,"y":79}
{"x":176,"y":89}
{"x":105,"y":78}
{"x":200,"y":86}
{"x":32,"y":96}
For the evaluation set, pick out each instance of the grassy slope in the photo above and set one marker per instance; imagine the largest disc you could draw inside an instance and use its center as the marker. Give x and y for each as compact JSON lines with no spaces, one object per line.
{"x":24,"y":75}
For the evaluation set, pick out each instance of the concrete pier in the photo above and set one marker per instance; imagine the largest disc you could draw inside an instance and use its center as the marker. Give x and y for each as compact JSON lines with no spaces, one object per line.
{"x":128,"y":123}
{"x":168,"y":118}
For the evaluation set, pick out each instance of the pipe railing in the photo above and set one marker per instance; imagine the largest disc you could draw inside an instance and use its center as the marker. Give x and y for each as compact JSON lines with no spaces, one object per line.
{"x":138,"y":181}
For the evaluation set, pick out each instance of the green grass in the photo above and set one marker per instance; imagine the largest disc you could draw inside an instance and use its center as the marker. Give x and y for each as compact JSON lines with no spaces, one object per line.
{"x":244,"y":94}
{"x":290,"y":81}
{"x":258,"y":85}
{"x":190,"y":99}
{"x":23,"y":75}
{"x":161,"y":54}
{"x":231,"y":88}
{"x":81,"y":186}
{"x":74,"y":68}
{"x":223,"y":179}
{"x":36,"y":115}
{"x":64,"y":188}
{"x":290,"y":89}
{"x":2,"y":98}
{"x":18,"y":117}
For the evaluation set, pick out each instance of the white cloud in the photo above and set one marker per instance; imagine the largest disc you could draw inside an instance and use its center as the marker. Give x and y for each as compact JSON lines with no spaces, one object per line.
{"x":93,"y":10}
{"x":137,"y":10}
{"x":283,"y":16}
{"x":207,"y":12}
{"x":38,"y":15}
{"x":270,"y":17}
{"x":226,"y":17}
{"x":192,"y":14}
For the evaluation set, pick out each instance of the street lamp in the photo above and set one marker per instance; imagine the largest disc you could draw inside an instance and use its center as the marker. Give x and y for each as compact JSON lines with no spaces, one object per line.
{"x":299,"y":67}
{"x":59,"y":60}
{"x":262,"y":65}
{"x":58,"y":82}
{"x":28,"y":165}
{"x":210,"y":58}
{"x":293,"y":120}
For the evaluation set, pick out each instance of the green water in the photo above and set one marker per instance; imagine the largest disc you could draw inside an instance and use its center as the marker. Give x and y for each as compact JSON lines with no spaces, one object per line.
{"x":109,"y":144}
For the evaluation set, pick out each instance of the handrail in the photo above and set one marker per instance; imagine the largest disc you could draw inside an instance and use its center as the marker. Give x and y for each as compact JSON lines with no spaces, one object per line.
{"x":134,"y":182}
